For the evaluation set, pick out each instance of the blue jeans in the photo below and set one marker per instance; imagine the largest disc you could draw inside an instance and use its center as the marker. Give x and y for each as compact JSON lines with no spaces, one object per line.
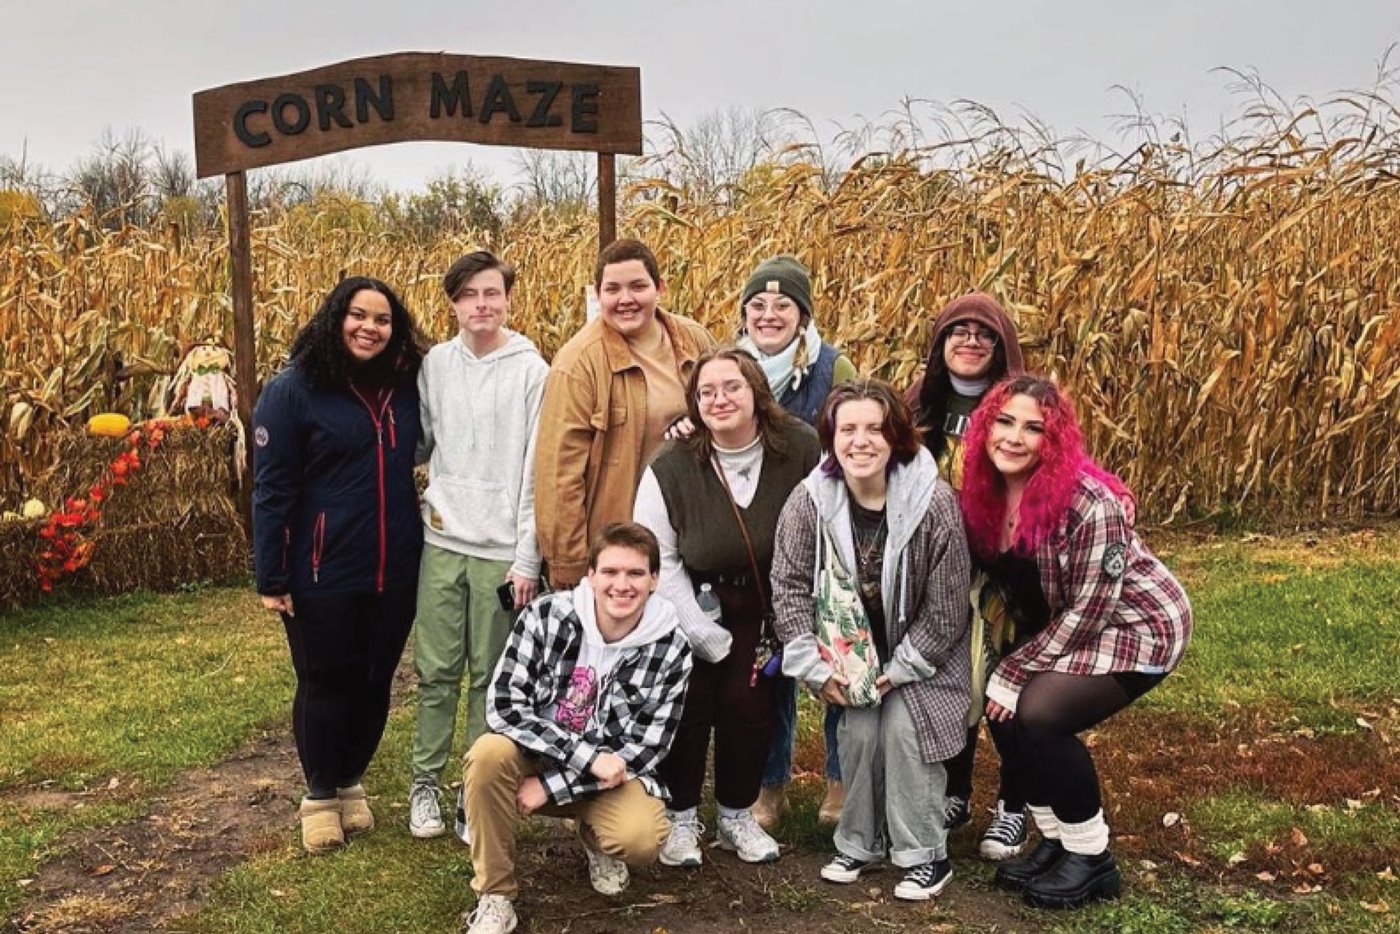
{"x":778,"y":769}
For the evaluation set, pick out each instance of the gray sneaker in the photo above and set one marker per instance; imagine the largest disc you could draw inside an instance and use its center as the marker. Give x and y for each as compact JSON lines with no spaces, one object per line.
{"x":425,"y":812}
{"x":493,"y":914}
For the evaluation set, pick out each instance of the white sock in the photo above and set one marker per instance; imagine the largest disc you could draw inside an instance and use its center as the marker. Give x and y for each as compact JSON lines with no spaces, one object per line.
{"x":1045,"y":821}
{"x":729,"y":813}
{"x":1089,"y":838}
{"x":676,"y":816}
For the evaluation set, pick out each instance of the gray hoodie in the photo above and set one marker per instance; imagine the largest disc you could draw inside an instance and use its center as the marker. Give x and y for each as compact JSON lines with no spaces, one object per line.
{"x":907,"y":501}
{"x":480,"y":416}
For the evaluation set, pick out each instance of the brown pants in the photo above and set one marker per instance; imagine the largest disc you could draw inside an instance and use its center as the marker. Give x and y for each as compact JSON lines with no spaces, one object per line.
{"x":623,"y":822}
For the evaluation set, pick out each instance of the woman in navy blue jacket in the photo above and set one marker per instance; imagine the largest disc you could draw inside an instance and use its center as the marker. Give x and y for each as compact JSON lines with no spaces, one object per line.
{"x":337,"y":535}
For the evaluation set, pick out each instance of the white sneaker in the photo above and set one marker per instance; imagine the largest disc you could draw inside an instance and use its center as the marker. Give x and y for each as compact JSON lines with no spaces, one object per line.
{"x":749,"y":841}
{"x":683,"y":844}
{"x":493,"y":914}
{"x":425,"y":812}
{"x":607,"y":875}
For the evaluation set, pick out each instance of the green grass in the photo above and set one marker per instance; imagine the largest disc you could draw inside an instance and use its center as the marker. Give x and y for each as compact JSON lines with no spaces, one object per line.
{"x":141,"y":686}
{"x":145,"y":687}
{"x":1231,"y":822}
{"x":139,"y":689}
{"x":384,"y":881}
{"x":1294,"y":640}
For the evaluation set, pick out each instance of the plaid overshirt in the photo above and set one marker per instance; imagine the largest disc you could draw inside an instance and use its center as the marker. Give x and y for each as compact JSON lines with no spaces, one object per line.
{"x":1113,"y":605}
{"x":638,"y":710}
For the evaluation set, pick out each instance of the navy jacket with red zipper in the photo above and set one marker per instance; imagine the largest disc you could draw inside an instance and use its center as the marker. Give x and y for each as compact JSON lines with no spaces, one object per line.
{"x":335,"y":511}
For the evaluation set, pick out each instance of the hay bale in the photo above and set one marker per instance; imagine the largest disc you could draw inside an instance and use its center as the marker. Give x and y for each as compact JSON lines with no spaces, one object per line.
{"x":19,"y":550}
{"x":175,"y":521}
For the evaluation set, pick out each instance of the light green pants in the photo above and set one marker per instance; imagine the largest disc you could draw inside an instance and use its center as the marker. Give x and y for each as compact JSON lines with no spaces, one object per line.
{"x":460,"y":630}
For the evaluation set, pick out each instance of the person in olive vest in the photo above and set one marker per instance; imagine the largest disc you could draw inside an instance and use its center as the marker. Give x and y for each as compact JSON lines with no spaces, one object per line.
{"x":713,"y":501}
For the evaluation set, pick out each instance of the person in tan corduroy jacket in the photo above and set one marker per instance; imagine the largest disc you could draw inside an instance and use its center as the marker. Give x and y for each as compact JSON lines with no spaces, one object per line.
{"x":611,"y":392}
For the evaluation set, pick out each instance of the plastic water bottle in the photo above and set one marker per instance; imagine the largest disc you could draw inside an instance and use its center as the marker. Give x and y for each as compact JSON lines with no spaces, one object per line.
{"x":709,"y":603}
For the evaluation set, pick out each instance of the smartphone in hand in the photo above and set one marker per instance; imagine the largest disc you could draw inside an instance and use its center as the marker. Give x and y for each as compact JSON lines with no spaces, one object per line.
{"x":506,"y":595}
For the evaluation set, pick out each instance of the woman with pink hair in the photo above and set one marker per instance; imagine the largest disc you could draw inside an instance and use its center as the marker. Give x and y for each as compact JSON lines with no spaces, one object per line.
{"x":1099,"y":622}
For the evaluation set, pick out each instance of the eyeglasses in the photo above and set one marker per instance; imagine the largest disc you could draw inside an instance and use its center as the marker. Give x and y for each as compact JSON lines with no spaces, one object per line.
{"x":962,"y":334}
{"x":707,"y":395}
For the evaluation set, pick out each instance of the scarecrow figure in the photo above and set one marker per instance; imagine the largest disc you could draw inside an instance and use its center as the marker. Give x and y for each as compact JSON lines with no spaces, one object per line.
{"x":203,"y":384}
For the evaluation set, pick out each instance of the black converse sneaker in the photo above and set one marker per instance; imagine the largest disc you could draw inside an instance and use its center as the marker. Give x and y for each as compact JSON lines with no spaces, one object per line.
{"x":924,"y":882}
{"x":956,"y":814}
{"x":1005,"y":836}
{"x":845,"y":869}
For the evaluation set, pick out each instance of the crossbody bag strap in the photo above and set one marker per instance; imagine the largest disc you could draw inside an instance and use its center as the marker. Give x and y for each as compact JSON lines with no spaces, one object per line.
{"x":744,"y":530}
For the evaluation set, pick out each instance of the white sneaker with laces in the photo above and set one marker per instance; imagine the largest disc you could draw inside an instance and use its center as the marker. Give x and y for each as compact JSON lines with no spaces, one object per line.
{"x":608,"y":875}
{"x":425,"y":812}
{"x":493,"y":914}
{"x":683,"y":844}
{"x":750,"y":842}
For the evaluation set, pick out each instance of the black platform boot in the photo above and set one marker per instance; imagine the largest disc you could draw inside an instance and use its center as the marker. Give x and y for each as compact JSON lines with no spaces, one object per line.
{"x":1013,"y":874}
{"x":1075,"y":880}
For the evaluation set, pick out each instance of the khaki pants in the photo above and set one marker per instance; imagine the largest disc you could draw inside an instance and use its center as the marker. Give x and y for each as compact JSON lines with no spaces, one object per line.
{"x":623,"y":822}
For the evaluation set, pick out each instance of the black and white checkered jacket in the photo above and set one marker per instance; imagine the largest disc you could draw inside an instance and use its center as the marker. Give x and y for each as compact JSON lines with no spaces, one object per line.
{"x":638,"y":709}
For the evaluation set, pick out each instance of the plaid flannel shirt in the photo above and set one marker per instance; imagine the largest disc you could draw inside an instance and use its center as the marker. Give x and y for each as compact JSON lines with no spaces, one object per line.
{"x":1113,"y":605}
{"x":638,"y":709}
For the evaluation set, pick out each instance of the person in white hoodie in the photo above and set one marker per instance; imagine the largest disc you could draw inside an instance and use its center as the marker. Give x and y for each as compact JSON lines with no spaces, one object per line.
{"x":480,"y":396}
{"x":584,"y":704}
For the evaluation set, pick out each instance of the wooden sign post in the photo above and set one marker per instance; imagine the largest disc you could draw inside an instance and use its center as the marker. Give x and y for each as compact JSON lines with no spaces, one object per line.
{"x":393,"y":99}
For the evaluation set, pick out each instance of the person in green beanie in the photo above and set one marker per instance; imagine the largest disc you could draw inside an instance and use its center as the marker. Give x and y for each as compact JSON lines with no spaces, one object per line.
{"x":780,"y":331}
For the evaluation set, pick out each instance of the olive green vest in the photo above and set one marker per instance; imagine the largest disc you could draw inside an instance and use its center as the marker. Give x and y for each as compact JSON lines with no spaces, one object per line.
{"x":707,"y":533}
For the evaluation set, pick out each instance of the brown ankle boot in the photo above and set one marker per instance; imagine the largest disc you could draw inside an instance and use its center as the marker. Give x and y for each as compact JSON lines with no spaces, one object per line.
{"x":355,"y":815}
{"x":320,"y":825}
{"x":835,"y":800}
{"x":770,"y":807}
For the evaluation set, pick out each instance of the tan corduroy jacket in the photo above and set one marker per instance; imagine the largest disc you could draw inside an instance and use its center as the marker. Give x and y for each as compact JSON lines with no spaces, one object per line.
{"x":588,"y":456}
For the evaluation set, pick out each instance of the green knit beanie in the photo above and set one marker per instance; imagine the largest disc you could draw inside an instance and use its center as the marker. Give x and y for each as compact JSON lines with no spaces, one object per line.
{"x":783,"y":274}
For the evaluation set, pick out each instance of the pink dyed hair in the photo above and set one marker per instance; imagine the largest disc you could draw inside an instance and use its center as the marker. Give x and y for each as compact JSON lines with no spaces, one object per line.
{"x":1051,"y":487}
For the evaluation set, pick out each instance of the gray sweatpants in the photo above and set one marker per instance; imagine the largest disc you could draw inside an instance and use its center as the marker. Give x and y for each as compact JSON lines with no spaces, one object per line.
{"x":894,"y":800}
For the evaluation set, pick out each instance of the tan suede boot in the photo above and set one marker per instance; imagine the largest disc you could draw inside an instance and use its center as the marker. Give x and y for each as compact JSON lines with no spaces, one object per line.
{"x":770,"y":807}
{"x":355,"y":815}
{"x":835,"y":800}
{"x":320,"y":826}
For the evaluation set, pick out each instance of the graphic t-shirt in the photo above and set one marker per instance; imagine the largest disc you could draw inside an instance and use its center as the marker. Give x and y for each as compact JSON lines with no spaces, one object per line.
{"x":955,"y":424}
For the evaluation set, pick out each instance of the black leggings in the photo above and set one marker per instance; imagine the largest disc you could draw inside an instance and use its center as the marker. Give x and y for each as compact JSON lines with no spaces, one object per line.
{"x":1038,"y":745}
{"x":959,"y":769}
{"x":344,"y":651}
{"x":725,"y":700}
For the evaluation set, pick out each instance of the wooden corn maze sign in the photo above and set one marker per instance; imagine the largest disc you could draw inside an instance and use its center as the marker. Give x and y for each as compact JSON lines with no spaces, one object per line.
{"x":417,"y":96}
{"x":397,"y":98}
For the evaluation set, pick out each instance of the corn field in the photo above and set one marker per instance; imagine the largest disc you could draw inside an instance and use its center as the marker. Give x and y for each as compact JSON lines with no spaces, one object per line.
{"x":1227,"y":320}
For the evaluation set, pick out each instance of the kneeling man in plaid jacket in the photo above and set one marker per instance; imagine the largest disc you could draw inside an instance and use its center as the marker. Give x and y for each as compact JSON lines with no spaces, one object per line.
{"x":582,"y":708}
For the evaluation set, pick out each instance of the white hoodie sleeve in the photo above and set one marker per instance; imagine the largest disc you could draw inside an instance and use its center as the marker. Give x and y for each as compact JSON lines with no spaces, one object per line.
{"x":527,"y":549}
{"x":710,"y":642}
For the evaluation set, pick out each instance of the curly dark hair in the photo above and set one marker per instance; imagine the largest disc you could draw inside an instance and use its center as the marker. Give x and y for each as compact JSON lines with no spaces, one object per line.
{"x":319,"y":347}
{"x":772,"y":418}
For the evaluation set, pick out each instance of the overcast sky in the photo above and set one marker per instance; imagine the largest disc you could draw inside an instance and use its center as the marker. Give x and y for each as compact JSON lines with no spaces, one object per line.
{"x":70,"y":68}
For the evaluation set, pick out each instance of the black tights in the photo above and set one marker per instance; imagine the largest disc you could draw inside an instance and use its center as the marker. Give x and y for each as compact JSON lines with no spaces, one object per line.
{"x":344,"y":650}
{"x":959,"y":769}
{"x":1039,"y":746}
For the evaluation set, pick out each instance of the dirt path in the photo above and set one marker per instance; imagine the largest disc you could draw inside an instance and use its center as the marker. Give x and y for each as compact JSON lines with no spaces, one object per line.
{"x":139,"y":874}
{"x":144,"y":873}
